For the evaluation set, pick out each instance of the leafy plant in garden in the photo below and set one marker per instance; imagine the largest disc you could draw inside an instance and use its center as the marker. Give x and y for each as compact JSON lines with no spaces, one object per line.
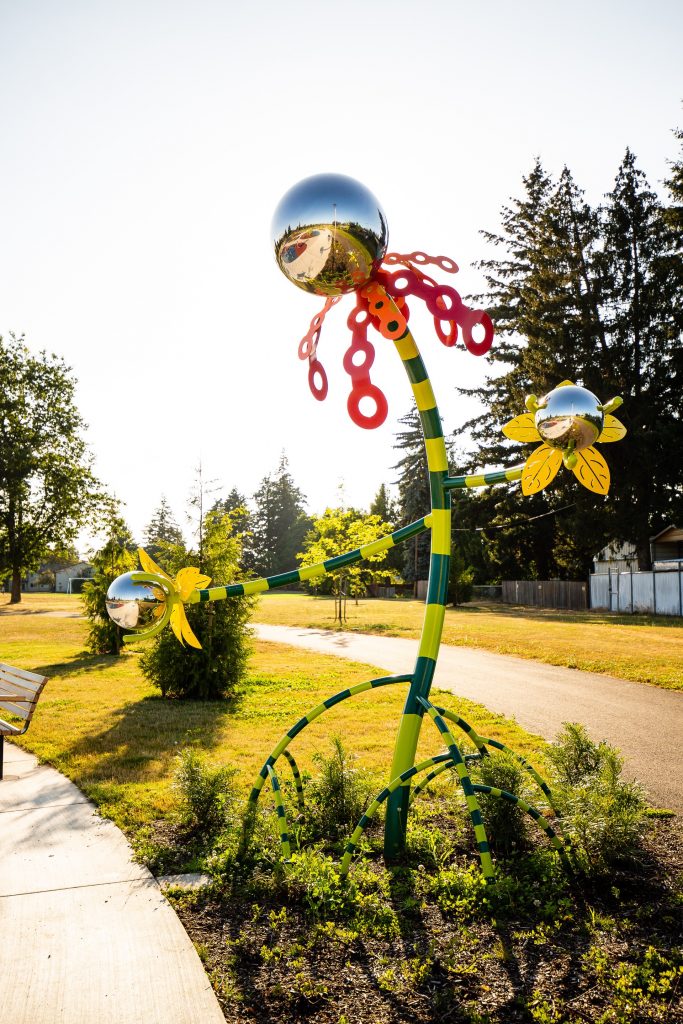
{"x":114,"y":558}
{"x":341,"y":791}
{"x":205,"y":794}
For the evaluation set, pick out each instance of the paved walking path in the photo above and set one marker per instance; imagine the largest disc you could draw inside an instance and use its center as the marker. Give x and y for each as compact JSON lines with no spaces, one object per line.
{"x":644,"y":722}
{"x":86,"y":936}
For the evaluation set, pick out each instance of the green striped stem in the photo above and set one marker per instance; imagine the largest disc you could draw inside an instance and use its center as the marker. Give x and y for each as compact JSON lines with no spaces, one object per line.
{"x":310,"y":572}
{"x":297,"y":781}
{"x":437,"y":589}
{"x":533,"y":813}
{"x":496,"y":476}
{"x":366,"y":818}
{"x":281,"y":815}
{"x":311,"y":716}
{"x":480,"y":742}
{"x":467,"y":788}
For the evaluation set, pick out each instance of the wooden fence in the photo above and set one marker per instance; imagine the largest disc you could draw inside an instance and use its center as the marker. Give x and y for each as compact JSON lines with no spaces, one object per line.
{"x":564,"y":594}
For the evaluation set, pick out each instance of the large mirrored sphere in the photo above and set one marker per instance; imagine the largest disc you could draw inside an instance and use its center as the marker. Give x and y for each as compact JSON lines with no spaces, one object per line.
{"x":570,"y":416}
{"x":134,"y":605}
{"x":330,"y":234}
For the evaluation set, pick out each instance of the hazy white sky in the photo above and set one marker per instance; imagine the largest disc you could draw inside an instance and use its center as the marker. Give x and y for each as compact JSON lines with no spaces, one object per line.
{"x":146,"y":144}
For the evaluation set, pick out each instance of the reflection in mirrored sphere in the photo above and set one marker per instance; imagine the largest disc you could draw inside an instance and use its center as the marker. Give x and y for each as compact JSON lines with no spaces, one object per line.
{"x":135,"y":605}
{"x":330,"y":234}
{"x":570,"y":417}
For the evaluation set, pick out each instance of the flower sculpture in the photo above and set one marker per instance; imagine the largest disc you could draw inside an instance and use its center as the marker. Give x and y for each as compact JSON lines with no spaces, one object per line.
{"x":330,"y":238}
{"x":569,"y":420}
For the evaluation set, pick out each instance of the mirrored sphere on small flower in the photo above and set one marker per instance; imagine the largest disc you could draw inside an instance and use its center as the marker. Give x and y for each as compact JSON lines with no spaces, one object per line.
{"x":135,"y":605}
{"x":570,"y":416}
{"x":330,"y":234}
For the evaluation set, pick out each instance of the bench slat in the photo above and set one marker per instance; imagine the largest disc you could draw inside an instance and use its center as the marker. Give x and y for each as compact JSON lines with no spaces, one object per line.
{"x":7,"y":729}
{"x":16,"y":709}
{"x":32,"y":677}
{"x":8,"y":682}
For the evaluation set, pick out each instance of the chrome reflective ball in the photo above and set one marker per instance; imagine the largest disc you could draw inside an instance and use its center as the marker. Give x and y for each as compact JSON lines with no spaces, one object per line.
{"x":330,"y":234}
{"x":570,"y":416}
{"x":134,"y":605}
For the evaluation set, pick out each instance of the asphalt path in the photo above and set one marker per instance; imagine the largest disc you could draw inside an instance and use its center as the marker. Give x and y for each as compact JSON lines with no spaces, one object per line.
{"x":644,"y":722}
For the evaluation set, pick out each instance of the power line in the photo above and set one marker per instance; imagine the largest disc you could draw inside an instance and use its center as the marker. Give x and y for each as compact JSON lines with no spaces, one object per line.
{"x":515,"y":522}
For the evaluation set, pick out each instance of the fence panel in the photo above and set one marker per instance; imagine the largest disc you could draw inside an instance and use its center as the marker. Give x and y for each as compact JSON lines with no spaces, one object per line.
{"x":565,"y":594}
{"x":667,"y":593}
{"x":644,"y":593}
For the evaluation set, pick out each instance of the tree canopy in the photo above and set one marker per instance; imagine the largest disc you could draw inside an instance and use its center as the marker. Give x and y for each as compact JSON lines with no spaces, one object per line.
{"x":592,"y":295}
{"x":48,"y":490}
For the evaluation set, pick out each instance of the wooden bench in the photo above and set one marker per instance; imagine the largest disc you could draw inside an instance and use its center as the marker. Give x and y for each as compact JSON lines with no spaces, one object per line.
{"x":19,"y":693}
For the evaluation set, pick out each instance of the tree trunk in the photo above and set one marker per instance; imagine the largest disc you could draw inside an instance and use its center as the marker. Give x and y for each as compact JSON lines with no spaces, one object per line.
{"x":16,"y":586}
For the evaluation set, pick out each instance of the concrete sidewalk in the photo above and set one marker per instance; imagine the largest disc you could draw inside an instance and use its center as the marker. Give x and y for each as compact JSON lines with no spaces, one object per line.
{"x":87,"y":936}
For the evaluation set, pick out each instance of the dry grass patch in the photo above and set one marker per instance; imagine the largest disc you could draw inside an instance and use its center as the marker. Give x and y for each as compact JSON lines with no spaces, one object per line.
{"x":643,"y":649}
{"x":103,"y":725}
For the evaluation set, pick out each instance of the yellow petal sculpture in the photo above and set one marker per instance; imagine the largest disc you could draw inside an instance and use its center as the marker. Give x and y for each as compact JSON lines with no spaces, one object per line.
{"x":186,"y":581}
{"x":569,"y":421}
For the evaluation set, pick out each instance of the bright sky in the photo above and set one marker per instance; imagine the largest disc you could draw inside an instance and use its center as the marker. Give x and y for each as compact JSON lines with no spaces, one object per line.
{"x":146,"y":143}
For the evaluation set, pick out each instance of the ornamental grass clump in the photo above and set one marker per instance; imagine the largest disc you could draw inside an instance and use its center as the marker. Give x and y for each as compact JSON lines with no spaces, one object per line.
{"x":340,"y":793}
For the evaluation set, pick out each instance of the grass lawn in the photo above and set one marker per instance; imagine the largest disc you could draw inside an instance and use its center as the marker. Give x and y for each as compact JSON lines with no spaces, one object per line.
{"x":644,"y":649}
{"x":102,"y":724}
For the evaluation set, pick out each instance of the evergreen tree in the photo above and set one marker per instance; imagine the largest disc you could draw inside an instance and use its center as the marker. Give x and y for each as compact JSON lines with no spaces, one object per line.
{"x":216,"y":670}
{"x":413,"y":494}
{"x":384,"y":506}
{"x":279,"y":522}
{"x":582,"y":294}
{"x":161,"y":530}
{"x":236,"y":504}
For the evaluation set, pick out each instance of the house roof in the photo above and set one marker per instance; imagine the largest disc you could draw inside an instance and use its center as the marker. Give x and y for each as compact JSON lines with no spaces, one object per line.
{"x":672,"y":533}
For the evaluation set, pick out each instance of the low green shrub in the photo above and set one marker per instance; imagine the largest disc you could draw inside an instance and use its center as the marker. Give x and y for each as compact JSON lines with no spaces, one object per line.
{"x":603,"y":816}
{"x":504,"y":820}
{"x":205,"y":795}
{"x":339,"y":794}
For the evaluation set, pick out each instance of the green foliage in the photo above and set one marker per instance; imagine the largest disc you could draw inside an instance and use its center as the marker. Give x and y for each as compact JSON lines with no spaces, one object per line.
{"x":161,"y":531}
{"x":460,"y":579}
{"x":216,"y":670}
{"x":340,"y":793}
{"x":205,"y":794}
{"x":592,"y":295}
{"x":47,"y":488}
{"x":413,"y":494}
{"x":505,"y":821}
{"x":340,"y":530}
{"x":603,"y":816}
{"x":278,"y":523}
{"x":647,"y":984}
{"x":113,"y":559}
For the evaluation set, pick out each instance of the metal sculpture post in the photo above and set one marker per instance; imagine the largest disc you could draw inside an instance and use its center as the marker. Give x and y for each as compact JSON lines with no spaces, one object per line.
{"x":330,"y":237}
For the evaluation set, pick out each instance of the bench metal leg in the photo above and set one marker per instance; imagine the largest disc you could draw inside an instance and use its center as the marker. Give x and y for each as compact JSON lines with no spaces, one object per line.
{"x":2,"y":748}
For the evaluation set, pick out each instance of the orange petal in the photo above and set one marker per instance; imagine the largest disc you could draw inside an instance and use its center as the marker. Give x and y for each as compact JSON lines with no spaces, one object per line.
{"x":540,"y":469}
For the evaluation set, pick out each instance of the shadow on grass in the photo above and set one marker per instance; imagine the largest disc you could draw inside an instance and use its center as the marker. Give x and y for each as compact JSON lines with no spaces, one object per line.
{"x":588,"y":617}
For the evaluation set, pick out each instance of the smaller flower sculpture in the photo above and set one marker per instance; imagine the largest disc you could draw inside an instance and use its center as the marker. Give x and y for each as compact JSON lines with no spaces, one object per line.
{"x":569,"y":420}
{"x":186,"y":581}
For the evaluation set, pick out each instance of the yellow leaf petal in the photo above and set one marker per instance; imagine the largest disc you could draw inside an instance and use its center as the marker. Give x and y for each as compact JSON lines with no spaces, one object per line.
{"x":190,"y":579}
{"x":186,"y":629}
{"x":566,"y":384}
{"x":613,"y":430}
{"x":540,"y":468}
{"x":522,"y":428}
{"x":592,"y":471}
{"x":177,"y":614}
{"x":149,"y":565}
